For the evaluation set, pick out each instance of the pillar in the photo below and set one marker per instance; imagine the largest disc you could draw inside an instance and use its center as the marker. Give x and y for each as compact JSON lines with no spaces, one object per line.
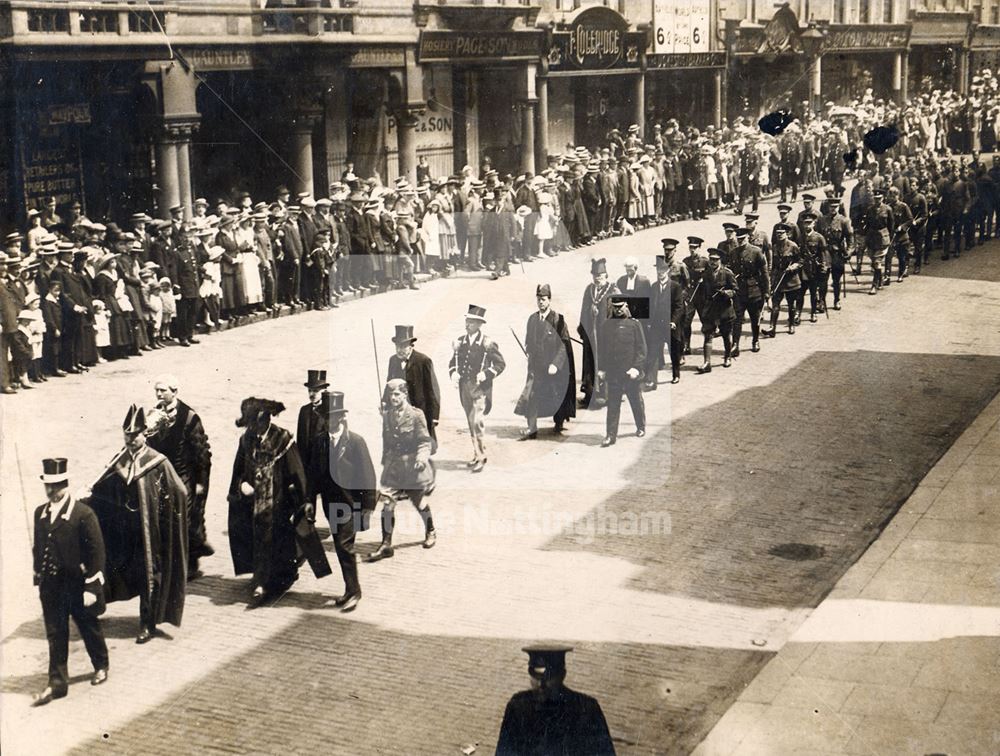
{"x":963,"y":70}
{"x":527,"y":137}
{"x":904,"y":89}
{"x":406,"y":143}
{"x":542,"y":119}
{"x":639,"y":96}
{"x":897,"y":77}
{"x":816,"y":87}
{"x":184,"y":132}
{"x":719,"y":99}
{"x":302,"y":151}
{"x":166,"y":173}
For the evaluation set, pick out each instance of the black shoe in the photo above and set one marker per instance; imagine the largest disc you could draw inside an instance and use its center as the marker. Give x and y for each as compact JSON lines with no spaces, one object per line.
{"x":472,"y":462}
{"x":193,"y":340}
{"x":528,"y":435}
{"x":675,"y":379}
{"x":343,"y":600}
{"x":726,"y":362}
{"x":100,"y":676}
{"x":48,"y":696}
{"x":736,"y":353}
{"x":351,"y":603}
{"x":649,"y":387}
{"x":480,"y":464}
{"x":755,"y":346}
{"x":640,"y":432}
{"x":836,"y":305}
{"x":558,"y":428}
{"x":430,"y":539}
{"x":145,"y":635}
{"x":608,"y":441}
{"x":706,"y":368}
{"x":385,"y":551}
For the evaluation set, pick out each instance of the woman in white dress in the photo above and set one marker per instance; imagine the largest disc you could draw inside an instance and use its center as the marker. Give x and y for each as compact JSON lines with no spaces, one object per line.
{"x":250,"y":269}
{"x":430,"y":235}
{"x":545,"y":225}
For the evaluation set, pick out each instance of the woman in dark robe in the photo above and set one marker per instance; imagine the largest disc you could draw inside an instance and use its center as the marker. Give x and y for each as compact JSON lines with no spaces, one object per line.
{"x":266,"y":496}
{"x":105,"y":288}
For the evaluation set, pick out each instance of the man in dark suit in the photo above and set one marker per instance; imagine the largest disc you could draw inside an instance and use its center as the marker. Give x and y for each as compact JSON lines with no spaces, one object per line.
{"x":666,"y":317}
{"x":312,"y":420}
{"x":289,"y":259}
{"x":622,"y":359}
{"x":418,"y":371}
{"x":341,"y":473}
{"x":633,"y":284}
{"x":69,"y":571}
{"x":551,"y":718}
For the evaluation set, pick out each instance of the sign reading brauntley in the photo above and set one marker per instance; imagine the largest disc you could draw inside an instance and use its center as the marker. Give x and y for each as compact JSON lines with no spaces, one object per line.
{"x":681,"y":26}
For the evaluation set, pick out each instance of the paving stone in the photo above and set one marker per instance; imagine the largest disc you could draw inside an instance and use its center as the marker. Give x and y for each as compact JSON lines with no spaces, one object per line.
{"x":781,"y":729}
{"x":835,"y":663}
{"x":813,"y":692}
{"x":888,"y":702}
{"x":730,"y":731}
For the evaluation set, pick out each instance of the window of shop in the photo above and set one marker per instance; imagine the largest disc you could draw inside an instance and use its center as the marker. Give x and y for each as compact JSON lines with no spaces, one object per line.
{"x":839,"y":12}
{"x":864,"y":13}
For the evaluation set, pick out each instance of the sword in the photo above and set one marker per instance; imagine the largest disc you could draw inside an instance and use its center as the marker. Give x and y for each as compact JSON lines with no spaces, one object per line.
{"x":777,"y":289}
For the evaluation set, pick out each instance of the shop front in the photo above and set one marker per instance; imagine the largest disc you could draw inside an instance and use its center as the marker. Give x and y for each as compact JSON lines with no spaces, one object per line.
{"x":939,"y":51}
{"x":985,"y":49}
{"x":687,"y":86}
{"x":857,"y":58}
{"x":593,"y":80}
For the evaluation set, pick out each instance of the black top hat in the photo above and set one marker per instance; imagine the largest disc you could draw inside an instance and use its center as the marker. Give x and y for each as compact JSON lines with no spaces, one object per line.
{"x":54,"y":470}
{"x":404,"y":335}
{"x":135,"y":420}
{"x":316,"y":380}
{"x":543,"y":290}
{"x":332,"y":404}
{"x":545,"y":656}
{"x":476,"y":313}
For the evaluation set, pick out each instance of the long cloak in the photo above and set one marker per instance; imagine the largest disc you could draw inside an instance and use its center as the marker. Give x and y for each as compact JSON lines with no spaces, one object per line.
{"x":547,"y":342}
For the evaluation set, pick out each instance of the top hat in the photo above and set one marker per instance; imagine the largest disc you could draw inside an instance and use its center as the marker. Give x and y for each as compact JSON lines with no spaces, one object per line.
{"x":404,"y":335}
{"x":543,"y":290}
{"x":662,"y":263}
{"x":476,"y":313}
{"x":332,"y":404}
{"x":135,"y":420}
{"x":316,"y":380}
{"x":54,"y":470}
{"x":598,"y":266}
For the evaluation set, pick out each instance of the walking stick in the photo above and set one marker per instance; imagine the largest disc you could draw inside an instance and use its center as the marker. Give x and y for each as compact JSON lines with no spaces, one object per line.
{"x":518,"y":342}
{"x":378,"y":373}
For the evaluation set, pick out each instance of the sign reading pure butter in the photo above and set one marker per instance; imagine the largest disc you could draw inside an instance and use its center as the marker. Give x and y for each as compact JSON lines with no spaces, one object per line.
{"x":866,"y":38}
{"x":596,"y":39}
{"x":479,"y":45}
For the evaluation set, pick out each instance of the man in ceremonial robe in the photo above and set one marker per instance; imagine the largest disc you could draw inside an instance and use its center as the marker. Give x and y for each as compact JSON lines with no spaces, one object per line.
{"x":593,"y":313}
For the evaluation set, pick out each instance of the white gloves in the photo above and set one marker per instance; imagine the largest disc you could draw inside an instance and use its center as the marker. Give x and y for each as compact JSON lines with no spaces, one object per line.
{"x":455,"y":379}
{"x":553,"y":370}
{"x":89,"y":599}
{"x":246,"y":489}
{"x":632,"y":373}
{"x":480,"y":377}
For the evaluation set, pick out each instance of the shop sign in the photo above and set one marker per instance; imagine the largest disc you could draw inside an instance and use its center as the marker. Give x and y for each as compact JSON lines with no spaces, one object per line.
{"x":686,"y":60}
{"x":377,"y":57}
{"x":444,"y":46}
{"x":866,"y":37}
{"x":986,"y":37}
{"x":50,"y":167}
{"x":596,"y":39}
{"x":61,"y":115}
{"x":219,"y":58}
{"x":681,"y":26}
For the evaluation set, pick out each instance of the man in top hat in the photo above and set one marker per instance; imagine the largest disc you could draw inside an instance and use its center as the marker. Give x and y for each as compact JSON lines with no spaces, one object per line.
{"x":550,"y":718}
{"x":753,"y":288}
{"x":181,"y":437}
{"x":141,"y":504}
{"x":666,"y":319}
{"x":417,"y":369}
{"x":312,"y":421}
{"x":475,"y":363}
{"x":68,"y":551}
{"x":550,"y":389}
{"x":593,"y":313}
{"x":341,"y":473}
{"x":716,"y":311}
{"x":622,"y":359}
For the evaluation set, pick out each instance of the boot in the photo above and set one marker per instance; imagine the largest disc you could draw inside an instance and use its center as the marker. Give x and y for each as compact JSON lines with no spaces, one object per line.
{"x":707,"y":352}
{"x":430,"y":536}
{"x":385,"y":550}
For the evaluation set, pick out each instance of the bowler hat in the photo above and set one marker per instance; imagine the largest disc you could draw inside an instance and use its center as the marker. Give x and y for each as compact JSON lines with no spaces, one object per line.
{"x":404,"y":335}
{"x":316,"y":380}
{"x":54,"y":470}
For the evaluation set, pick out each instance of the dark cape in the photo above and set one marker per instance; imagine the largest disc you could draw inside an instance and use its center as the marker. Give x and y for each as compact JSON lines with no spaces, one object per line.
{"x":262,"y":526}
{"x":144,"y":524}
{"x":571,"y":725}
{"x":548,"y":343}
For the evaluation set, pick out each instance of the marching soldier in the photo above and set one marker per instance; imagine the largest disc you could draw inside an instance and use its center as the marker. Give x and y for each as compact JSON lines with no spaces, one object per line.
{"x":696,"y":263}
{"x":815,"y":265}
{"x":550,"y":389}
{"x":790,"y":161}
{"x":879,"y":226}
{"x":728,"y":245}
{"x":807,"y":209}
{"x":593,"y":313}
{"x":753,"y":288}
{"x":787,"y":263}
{"x":758,"y":238}
{"x":475,"y":363}
{"x":622,"y":359}
{"x":68,"y":553}
{"x":920,"y":210}
{"x":792,"y":232}
{"x":417,"y":369}
{"x":717,"y":312}
{"x":839,"y":235}
{"x":902,"y":221}
{"x":666,"y":315}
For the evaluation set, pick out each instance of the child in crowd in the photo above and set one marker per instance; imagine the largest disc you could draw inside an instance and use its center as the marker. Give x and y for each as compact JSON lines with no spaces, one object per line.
{"x":151,"y":290}
{"x":52,"y":316}
{"x":37,"y":339}
{"x":211,"y":286}
{"x":169,"y":303}
{"x":102,"y":330}
{"x":20,"y":349}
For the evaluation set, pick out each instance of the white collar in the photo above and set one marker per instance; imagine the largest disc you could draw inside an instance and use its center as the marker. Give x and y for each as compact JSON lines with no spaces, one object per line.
{"x":53,"y":508}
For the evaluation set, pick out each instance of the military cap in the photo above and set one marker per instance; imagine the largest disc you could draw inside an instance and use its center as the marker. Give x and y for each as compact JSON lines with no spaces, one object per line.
{"x":784,"y":208}
{"x":669,"y":243}
{"x":808,"y":198}
{"x":730,"y":226}
{"x":695,"y":241}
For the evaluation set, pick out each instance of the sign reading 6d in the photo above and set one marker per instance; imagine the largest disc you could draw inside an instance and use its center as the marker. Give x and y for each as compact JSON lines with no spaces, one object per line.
{"x":681,"y":26}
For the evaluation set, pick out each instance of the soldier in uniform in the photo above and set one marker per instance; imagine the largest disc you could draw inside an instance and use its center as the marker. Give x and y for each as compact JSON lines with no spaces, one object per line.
{"x":815,"y":265}
{"x":188,"y":279}
{"x":920,"y":210}
{"x":879,"y":226}
{"x":753,"y":286}
{"x":475,"y":363}
{"x":666,"y":316}
{"x":758,"y":238}
{"x":749,"y":167}
{"x":593,"y":313}
{"x":68,"y":553}
{"x":550,"y":389}
{"x":792,"y":232}
{"x":728,"y":245}
{"x":417,"y":369}
{"x":550,"y":718}
{"x":790,"y":161}
{"x":787,"y":263}
{"x":902,"y":221}
{"x":716,"y":311}
{"x":836,"y":229}
{"x":807,"y":209}
{"x":622,"y":359}
{"x":696,"y":263}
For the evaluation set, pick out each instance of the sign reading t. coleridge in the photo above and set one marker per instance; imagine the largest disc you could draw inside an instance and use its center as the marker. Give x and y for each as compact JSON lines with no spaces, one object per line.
{"x":596,"y":39}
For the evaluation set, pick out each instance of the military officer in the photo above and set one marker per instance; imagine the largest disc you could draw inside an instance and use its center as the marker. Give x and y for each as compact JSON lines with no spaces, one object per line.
{"x":728,"y":245}
{"x":417,"y":369}
{"x":792,"y":233}
{"x":758,"y":238}
{"x":696,"y":263}
{"x":717,"y":313}
{"x":753,"y":288}
{"x":787,"y":262}
{"x":815,"y":264}
{"x":836,"y":229}
{"x":622,"y":359}
{"x":807,"y":209}
{"x":879,"y":226}
{"x":475,"y":363}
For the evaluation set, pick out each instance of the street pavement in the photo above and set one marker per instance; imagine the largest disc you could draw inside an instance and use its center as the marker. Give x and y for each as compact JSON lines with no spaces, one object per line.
{"x":678,"y":565}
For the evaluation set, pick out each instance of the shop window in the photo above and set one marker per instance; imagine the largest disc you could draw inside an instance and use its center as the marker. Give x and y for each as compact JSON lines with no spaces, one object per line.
{"x":865,"y":12}
{"x":995,"y":15}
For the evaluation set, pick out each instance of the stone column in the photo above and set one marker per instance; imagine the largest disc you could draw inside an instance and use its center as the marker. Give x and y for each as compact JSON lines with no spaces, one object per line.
{"x":904,"y":89}
{"x":166,"y":173}
{"x":182,"y":136}
{"x":719,"y":99}
{"x":407,"y":144}
{"x":527,"y":137}
{"x":640,"y":103}
{"x":962,"y":68}
{"x":542,"y":127}
{"x":816,"y":87}
{"x":897,"y":77}
{"x":303,"y":126}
